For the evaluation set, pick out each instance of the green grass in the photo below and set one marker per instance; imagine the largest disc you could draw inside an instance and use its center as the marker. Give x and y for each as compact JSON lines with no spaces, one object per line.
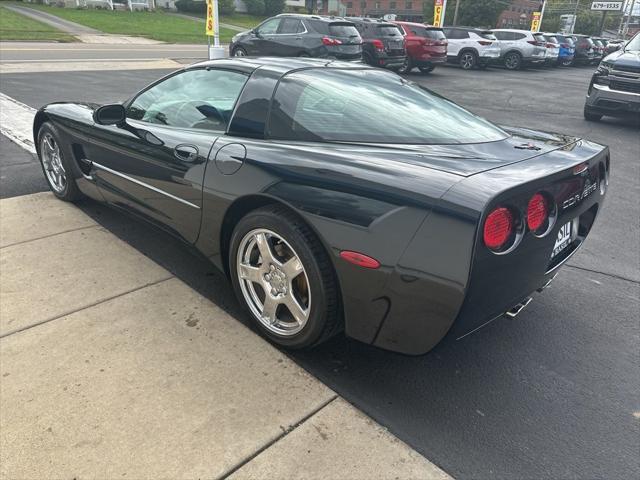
{"x":14,"y":26}
{"x":156,"y":25}
{"x":242,"y":20}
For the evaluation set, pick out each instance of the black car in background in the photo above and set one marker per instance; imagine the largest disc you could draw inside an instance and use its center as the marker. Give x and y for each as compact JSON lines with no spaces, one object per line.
{"x":292,"y":35}
{"x":585,"y":50}
{"x":382,"y":43}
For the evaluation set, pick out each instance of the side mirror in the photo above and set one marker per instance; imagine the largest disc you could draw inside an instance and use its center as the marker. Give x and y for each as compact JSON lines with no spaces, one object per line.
{"x":110,"y":115}
{"x":256,"y":32}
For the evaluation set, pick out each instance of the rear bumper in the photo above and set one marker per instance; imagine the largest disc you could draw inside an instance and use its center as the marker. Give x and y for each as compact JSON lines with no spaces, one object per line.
{"x":448,"y":283}
{"x":391,"y":62}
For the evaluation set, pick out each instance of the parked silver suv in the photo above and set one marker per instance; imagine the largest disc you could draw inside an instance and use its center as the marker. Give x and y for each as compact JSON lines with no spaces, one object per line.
{"x":519,"y":48}
{"x":471,"y":47}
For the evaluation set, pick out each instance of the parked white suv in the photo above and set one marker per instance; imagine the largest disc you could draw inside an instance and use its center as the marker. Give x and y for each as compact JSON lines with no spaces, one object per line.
{"x":519,"y":48}
{"x":471,"y":47}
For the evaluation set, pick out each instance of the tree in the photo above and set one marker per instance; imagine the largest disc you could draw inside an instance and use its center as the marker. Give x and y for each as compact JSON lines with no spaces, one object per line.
{"x":226,"y":7}
{"x":274,"y":7}
{"x":472,"y":13}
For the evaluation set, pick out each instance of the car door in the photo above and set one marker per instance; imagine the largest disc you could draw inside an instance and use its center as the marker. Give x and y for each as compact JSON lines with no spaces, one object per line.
{"x":266,"y":40}
{"x":154,"y":164}
{"x":455,"y":41}
{"x":289,"y":39}
{"x":505,"y":41}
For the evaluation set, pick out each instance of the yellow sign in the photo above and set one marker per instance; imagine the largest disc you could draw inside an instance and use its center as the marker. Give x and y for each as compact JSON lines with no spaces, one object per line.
{"x":210,"y":29}
{"x":535,"y":22}
{"x":437,"y":13}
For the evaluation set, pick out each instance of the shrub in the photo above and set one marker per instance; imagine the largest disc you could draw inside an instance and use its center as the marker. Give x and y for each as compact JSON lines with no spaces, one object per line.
{"x":226,"y":7}
{"x":191,"y":6}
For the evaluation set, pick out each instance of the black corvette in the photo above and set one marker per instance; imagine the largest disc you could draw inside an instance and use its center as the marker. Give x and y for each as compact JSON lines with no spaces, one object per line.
{"x":336,"y":196}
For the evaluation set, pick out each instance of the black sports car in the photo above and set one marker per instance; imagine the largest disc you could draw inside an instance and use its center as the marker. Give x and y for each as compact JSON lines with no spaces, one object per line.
{"x":336,"y":195}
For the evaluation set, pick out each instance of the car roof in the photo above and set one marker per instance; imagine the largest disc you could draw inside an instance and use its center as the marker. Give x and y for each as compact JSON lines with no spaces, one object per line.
{"x":282,"y":65}
{"x":416,"y":24}
{"x":472,"y":29}
{"x":322,"y":18}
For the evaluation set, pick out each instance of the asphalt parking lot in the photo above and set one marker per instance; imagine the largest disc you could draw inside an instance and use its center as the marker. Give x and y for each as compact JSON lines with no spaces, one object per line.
{"x":552,"y":394}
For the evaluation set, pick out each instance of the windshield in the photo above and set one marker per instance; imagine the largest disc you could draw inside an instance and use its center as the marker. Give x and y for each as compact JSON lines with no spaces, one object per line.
{"x":370,"y":106}
{"x":633,"y":45}
{"x":488,"y":35}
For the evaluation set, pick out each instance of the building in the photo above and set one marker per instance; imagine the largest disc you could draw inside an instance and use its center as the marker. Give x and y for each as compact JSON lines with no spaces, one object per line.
{"x":518,"y":14}
{"x":410,"y":10}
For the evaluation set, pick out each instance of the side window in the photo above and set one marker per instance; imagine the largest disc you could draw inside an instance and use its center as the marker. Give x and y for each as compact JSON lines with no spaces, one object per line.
{"x":269,"y":27}
{"x":500,"y":35}
{"x":192,"y":99}
{"x":519,"y":36}
{"x":290,"y":26}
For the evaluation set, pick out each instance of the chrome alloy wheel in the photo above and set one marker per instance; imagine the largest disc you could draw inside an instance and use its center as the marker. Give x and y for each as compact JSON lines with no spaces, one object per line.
{"x":239,"y":52}
{"x":52,"y":162}
{"x":273,"y":282}
{"x":467,"y":60}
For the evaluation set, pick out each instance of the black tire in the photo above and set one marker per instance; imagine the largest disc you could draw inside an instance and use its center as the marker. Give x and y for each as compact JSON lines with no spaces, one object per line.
{"x":71,"y":192}
{"x":428,"y":69}
{"x":407,"y":67}
{"x":468,"y":60}
{"x":590,"y":115}
{"x":566,"y":63}
{"x":239,"y":52}
{"x":325,"y":319}
{"x":368,"y":59}
{"x":513,"y":61}
{"x":304,"y":55}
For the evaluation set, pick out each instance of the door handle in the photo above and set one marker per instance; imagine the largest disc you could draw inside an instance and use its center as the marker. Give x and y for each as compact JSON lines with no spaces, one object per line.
{"x":186,"y":153}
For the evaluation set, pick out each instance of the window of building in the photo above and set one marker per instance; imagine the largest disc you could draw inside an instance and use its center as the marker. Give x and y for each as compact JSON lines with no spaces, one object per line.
{"x":408,"y":5}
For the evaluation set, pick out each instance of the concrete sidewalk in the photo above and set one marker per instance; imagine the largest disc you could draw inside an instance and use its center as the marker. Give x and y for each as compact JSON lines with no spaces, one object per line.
{"x":112,"y":367}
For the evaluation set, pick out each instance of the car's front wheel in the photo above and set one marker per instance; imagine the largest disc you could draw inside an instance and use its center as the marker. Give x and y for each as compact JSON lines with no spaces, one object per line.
{"x":590,"y":115}
{"x":427,"y":69}
{"x":468,"y":60}
{"x":284,"y":278}
{"x":56,"y":166}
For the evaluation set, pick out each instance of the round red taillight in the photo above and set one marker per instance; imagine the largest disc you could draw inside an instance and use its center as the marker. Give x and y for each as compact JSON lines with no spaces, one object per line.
{"x":498,"y":228}
{"x":537,"y":212}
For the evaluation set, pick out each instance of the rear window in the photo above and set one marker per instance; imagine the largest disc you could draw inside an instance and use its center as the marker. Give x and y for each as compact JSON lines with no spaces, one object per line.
{"x":388,"y":30}
{"x":539,"y":37}
{"x":567,"y":40}
{"x":370,"y":106}
{"x":343,"y":30}
{"x":432,"y":33}
{"x":551,"y":39}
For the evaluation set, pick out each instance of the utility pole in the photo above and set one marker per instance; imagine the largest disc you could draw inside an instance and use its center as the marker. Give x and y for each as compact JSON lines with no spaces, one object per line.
{"x":626,"y":25}
{"x":455,"y":13}
{"x":575,"y":16}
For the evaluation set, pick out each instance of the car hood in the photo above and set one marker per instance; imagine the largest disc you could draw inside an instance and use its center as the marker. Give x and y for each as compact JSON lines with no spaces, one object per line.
{"x":627,"y":61}
{"x":470,"y":159}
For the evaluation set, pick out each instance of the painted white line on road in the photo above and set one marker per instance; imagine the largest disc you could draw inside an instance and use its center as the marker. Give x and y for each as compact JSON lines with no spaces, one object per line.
{"x":16,"y":122}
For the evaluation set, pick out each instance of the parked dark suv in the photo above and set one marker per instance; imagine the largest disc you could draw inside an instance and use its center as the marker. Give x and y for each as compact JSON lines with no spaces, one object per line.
{"x":382,"y":43}
{"x":585,"y":50}
{"x":292,"y":35}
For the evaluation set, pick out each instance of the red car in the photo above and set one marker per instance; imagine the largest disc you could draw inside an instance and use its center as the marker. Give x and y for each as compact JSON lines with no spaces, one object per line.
{"x":426,"y":46}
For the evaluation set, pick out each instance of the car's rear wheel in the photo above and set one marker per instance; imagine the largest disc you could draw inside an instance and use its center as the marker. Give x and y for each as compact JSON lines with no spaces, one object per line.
{"x":406,"y":67}
{"x":57,"y":168}
{"x":239,"y":52}
{"x":566,"y":62}
{"x":284,"y":278}
{"x":304,"y":55}
{"x":368,"y":59}
{"x":427,"y":69}
{"x":468,"y":60}
{"x":591,"y":115}
{"x":513,"y":61}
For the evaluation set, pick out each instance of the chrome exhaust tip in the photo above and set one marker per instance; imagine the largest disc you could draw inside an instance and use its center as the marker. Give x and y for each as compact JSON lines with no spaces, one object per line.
{"x":546,"y":285}
{"x":516,"y":309}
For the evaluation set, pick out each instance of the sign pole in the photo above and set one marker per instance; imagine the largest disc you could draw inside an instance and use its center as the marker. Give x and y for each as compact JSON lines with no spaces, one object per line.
{"x":212,"y":29}
{"x":439,"y":11}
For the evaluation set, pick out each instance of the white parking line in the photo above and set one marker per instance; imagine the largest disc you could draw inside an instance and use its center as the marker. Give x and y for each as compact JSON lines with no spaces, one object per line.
{"x":16,"y":122}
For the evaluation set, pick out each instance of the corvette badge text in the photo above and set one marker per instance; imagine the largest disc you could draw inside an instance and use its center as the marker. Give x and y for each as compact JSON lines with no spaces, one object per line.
{"x":588,"y":189}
